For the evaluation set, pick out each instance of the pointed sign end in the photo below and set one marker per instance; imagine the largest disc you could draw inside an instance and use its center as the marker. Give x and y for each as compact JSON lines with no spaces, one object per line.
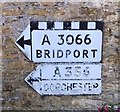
{"x":24,"y":42}
{"x":20,"y":42}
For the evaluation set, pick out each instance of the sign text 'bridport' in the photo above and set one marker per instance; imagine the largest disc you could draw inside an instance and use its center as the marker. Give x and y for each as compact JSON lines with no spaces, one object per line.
{"x":69,"y":53}
{"x":62,"y":41}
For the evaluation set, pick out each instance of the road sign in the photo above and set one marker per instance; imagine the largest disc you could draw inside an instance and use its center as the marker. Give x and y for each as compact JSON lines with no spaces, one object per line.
{"x":62,"y":41}
{"x":66,"y":79}
{"x":69,"y":54}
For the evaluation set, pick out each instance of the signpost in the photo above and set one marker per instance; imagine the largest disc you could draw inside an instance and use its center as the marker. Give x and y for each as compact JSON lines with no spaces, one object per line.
{"x":62,"y":42}
{"x":67,"y":79}
{"x":69,"y":53}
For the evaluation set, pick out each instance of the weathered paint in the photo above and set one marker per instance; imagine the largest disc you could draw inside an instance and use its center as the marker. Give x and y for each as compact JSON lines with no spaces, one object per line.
{"x":66,"y":79}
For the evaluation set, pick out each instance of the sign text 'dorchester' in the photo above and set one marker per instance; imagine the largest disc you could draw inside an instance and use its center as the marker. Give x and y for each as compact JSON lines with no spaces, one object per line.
{"x":67,"y":79}
{"x":69,"y":53}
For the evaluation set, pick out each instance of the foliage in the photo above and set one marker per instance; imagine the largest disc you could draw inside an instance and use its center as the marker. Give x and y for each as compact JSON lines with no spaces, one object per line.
{"x":109,"y":108}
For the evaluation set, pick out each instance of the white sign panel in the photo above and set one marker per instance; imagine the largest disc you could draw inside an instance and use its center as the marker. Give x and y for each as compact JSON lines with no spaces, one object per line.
{"x":67,"y":71}
{"x":66,"y":46}
{"x":62,"y":41}
{"x":67,"y":79}
{"x":69,"y":53}
{"x":68,"y":87}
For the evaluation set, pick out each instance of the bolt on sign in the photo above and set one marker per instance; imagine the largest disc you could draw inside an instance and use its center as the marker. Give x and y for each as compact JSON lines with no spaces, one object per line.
{"x":70,"y":53}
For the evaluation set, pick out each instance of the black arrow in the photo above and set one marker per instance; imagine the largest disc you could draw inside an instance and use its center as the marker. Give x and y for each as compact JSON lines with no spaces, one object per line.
{"x":22,"y":42}
{"x":31,"y":80}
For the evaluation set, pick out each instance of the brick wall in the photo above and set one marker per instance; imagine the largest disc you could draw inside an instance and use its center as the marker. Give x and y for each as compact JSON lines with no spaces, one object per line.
{"x":16,"y":94}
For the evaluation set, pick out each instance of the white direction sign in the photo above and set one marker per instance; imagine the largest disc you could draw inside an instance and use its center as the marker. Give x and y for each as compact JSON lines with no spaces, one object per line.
{"x":66,"y":79}
{"x":62,"y":41}
{"x":70,"y":54}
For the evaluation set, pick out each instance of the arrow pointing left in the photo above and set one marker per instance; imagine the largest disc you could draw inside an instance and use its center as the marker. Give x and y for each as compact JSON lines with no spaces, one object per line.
{"x":24,"y":42}
{"x":66,"y":79}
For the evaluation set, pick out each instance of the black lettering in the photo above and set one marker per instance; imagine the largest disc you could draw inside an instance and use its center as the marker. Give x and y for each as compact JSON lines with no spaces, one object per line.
{"x":68,"y":52}
{"x":77,"y":71}
{"x":57,"y":72}
{"x":86,"y":71}
{"x":85,"y":53}
{"x":38,"y":53}
{"x":46,"y":87}
{"x":87,"y":40}
{"x":95,"y":85}
{"x":76,"y":53}
{"x":86,"y":86}
{"x":59,"y":53}
{"x":90,"y":88}
{"x":78,"y":39}
{"x":68,"y":39}
{"x":69,"y":72}
{"x":87,"y":83}
{"x":94,"y":50}
{"x":51,"y":87}
{"x":45,"y":39}
{"x":80,"y":85}
{"x":64,"y":87}
{"x":69,"y":87}
{"x":53,"y":54}
{"x":74,"y":85}
{"x":47,"y":52}
{"x":58,"y":86}
{"x":40,"y":74}
{"x":62,"y":40}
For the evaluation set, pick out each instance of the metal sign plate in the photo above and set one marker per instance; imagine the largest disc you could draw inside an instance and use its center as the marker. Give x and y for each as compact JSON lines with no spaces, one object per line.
{"x":62,"y":41}
{"x":70,"y":54}
{"x":67,"y":79}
